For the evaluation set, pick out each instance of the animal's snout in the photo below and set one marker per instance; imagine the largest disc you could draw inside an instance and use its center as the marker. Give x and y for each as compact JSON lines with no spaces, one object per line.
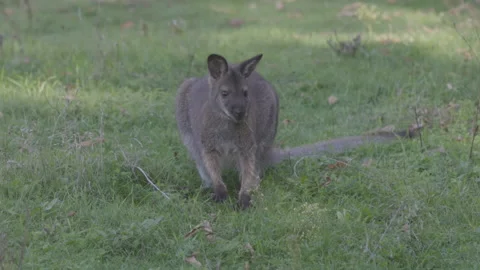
{"x":238,"y":112}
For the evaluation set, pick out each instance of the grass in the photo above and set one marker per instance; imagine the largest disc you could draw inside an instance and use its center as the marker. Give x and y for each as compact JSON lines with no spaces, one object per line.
{"x":87,"y":100}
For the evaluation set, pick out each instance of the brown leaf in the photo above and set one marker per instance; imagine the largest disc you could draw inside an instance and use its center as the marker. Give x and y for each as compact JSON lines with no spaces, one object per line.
{"x":250,"y":249}
{"x":453,"y":106}
{"x":70,"y":86}
{"x":127,"y":25}
{"x":466,"y":53}
{"x":332,"y":100}
{"x":192,"y":232}
{"x":287,"y":121}
{"x":70,"y":97}
{"x":386,"y":17}
{"x":223,"y":10}
{"x":350,"y":10}
{"x":237,"y":22}
{"x":438,"y":150}
{"x":406,"y":228}
{"x":123,"y":111}
{"x":428,"y":29}
{"x":367,"y":162}
{"x":8,"y":12}
{"x":389,"y":128}
{"x":390,"y":40}
{"x":177,"y":26}
{"x":205,"y":226}
{"x":193,"y":260}
{"x":145,"y":29}
{"x":92,"y":142}
{"x":279,"y":5}
{"x":474,"y":130}
{"x":329,"y":180}
{"x":208,"y":231}
{"x":385,"y":51}
{"x":338,"y":164}
{"x":397,"y":14}
{"x":295,"y":15}
{"x":457,"y":10}
{"x":71,"y":213}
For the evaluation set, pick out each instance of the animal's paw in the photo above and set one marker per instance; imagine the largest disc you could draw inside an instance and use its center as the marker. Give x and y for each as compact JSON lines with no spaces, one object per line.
{"x":244,"y":200}
{"x":220,"y":193}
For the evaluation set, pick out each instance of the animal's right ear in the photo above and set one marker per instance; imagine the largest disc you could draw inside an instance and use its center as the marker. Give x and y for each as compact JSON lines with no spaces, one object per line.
{"x":217,"y":65}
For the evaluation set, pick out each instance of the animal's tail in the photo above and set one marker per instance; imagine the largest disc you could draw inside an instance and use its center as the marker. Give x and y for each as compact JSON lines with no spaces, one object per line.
{"x":339,"y":145}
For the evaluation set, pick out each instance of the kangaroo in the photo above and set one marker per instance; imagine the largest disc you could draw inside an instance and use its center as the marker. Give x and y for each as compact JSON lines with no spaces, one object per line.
{"x":229,"y":119}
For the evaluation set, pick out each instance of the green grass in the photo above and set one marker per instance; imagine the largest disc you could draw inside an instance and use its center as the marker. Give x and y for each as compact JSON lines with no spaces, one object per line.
{"x":67,"y":206}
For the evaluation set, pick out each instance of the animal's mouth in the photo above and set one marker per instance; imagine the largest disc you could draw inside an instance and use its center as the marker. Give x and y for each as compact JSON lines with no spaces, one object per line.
{"x":238,"y":116}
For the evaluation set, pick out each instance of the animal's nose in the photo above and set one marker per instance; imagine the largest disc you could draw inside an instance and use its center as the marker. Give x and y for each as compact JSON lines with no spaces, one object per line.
{"x":238,"y":113}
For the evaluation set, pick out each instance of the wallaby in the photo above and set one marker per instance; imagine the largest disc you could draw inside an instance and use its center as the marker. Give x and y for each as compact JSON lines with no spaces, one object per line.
{"x":229,"y":119}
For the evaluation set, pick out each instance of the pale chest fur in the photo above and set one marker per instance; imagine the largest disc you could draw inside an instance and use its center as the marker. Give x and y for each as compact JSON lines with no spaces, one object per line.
{"x":230,"y":142}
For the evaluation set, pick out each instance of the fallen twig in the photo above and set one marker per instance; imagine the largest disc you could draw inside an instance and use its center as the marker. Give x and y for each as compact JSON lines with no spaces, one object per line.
{"x":475,"y":128}
{"x":387,"y":228}
{"x":150,"y":181}
{"x":418,"y":125}
{"x":133,"y":166}
{"x":29,"y":13}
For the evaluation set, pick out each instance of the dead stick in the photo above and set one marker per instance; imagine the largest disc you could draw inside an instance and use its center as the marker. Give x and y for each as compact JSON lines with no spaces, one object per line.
{"x":419,"y":132}
{"x":29,"y":13}
{"x":475,"y":128}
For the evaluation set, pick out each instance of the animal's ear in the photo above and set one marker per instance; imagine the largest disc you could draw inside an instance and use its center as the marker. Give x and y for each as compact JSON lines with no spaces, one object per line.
{"x":217,"y":65}
{"x":248,"y":66}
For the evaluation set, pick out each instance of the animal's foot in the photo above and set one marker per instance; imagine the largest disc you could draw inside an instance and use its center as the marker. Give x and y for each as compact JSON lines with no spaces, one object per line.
{"x":244,"y":200}
{"x":220,"y":193}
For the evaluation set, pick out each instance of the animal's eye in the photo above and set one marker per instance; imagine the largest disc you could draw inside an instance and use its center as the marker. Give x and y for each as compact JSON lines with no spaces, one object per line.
{"x":245,"y":93}
{"x":224,"y":93}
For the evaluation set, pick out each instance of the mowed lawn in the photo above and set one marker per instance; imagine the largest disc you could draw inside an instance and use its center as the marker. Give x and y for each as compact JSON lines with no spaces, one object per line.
{"x":87,"y":91}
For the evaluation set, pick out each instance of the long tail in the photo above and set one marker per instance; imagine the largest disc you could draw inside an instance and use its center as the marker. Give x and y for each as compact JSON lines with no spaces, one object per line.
{"x":339,"y":145}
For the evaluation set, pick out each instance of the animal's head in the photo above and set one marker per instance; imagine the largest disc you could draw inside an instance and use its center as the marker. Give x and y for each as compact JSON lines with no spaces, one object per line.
{"x":228,"y":85}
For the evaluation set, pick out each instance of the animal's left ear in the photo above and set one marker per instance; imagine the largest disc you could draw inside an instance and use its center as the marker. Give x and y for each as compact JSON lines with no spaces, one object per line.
{"x":248,"y":66}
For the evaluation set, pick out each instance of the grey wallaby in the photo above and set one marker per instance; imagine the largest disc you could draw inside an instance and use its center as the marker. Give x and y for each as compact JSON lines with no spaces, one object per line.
{"x":229,"y":119}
